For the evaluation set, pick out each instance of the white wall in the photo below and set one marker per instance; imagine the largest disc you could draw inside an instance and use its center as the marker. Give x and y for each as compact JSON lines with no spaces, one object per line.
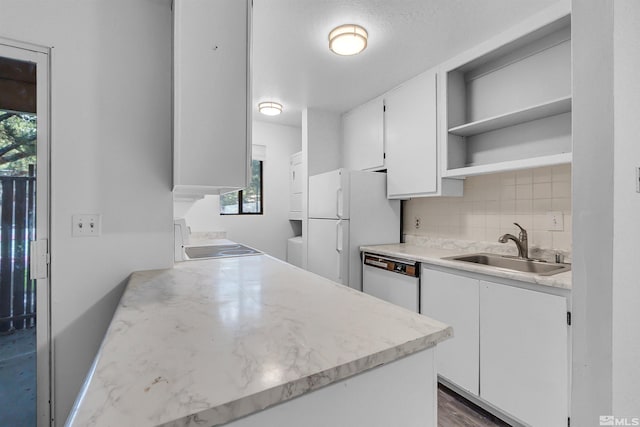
{"x":111,"y":148}
{"x":626,"y":202}
{"x":592,"y":117}
{"x":268,"y":232}
{"x":606,"y":291}
{"x":324,"y":140}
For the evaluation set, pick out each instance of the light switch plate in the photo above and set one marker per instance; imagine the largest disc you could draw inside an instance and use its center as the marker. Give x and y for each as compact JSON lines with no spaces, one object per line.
{"x":555,"y":221}
{"x":86,"y":225}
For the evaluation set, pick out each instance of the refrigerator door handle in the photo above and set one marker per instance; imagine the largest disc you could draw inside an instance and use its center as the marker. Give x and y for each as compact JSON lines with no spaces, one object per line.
{"x":339,"y":203}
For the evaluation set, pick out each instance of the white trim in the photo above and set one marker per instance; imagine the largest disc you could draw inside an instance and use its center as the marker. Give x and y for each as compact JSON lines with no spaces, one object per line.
{"x":11,"y":43}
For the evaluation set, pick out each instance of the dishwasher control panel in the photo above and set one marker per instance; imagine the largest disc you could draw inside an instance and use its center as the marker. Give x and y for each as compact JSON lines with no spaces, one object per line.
{"x":406,"y":267}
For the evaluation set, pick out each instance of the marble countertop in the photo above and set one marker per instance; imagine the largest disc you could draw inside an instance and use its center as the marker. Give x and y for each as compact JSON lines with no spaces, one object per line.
{"x":432,"y":255}
{"x":213,"y":340}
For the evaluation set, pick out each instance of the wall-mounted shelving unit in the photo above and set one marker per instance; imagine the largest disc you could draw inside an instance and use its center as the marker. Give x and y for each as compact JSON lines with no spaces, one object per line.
{"x":507,"y":103}
{"x":535,"y":112}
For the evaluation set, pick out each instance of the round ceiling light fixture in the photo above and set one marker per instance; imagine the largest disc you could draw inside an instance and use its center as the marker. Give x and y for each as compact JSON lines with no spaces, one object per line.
{"x":348,"y":39}
{"x":270,"y":108}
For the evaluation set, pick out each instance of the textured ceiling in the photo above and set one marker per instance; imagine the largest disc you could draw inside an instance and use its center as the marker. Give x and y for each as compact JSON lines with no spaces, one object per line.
{"x":293,"y":65}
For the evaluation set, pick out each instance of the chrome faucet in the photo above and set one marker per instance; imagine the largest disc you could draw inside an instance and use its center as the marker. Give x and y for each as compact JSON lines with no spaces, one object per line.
{"x":522,"y":242}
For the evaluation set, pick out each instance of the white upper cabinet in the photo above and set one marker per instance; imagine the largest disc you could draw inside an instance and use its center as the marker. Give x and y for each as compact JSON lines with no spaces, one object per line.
{"x":212,"y":96}
{"x":363,"y":136}
{"x":411,"y":141}
{"x":507,"y":102}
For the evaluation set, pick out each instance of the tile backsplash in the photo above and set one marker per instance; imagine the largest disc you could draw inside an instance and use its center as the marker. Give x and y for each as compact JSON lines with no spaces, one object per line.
{"x":492,"y":203}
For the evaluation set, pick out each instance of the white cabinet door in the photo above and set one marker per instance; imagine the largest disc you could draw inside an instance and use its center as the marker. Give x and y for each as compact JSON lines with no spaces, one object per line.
{"x":524,"y":353}
{"x":212,"y":113}
{"x":411,"y":137}
{"x":454,"y":300}
{"x":295,"y":186}
{"x":296,"y":178}
{"x":363,"y":136}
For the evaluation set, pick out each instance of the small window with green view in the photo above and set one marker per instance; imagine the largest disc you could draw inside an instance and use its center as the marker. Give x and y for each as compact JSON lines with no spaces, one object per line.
{"x":247,"y":201}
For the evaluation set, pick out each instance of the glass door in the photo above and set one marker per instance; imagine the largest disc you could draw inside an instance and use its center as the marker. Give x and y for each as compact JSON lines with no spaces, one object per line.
{"x":24,"y":219}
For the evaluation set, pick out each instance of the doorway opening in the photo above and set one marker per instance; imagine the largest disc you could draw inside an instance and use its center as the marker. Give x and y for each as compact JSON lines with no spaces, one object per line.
{"x":24,"y":219}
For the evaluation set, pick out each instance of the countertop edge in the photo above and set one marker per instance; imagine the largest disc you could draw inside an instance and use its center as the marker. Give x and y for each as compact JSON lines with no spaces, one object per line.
{"x":254,"y":403}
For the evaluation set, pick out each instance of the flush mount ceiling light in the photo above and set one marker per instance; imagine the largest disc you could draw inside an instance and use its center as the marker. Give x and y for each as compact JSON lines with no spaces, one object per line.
{"x":349,"y":39}
{"x":270,"y":108}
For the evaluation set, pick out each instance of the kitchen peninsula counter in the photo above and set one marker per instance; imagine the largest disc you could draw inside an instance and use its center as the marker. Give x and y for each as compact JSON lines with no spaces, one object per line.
{"x":211,"y":341}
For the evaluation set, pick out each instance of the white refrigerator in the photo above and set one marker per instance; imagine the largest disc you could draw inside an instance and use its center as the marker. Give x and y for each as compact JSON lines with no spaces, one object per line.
{"x":348,"y":209}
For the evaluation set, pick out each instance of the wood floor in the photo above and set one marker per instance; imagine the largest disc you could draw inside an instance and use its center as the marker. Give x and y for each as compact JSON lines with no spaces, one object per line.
{"x":454,"y":411}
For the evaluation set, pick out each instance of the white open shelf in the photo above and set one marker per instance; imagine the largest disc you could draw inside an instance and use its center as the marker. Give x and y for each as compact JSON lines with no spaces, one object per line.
{"x":508,"y":107}
{"x":534,"y":162}
{"x":547,"y":109}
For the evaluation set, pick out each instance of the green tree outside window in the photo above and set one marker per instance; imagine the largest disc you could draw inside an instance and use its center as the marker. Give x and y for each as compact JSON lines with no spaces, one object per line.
{"x":248,"y":201}
{"x":17,"y":142}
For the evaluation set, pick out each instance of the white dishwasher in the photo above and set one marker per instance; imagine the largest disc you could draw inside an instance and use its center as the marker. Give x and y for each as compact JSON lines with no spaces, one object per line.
{"x":392,"y":279}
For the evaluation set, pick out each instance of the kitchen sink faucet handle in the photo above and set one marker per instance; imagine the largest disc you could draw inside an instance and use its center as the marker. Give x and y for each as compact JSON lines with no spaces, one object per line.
{"x":523,"y":232}
{"x":521,"y":241}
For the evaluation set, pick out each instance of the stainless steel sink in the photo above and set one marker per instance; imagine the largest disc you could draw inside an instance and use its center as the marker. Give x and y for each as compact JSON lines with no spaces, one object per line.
{"x":539,"y":267}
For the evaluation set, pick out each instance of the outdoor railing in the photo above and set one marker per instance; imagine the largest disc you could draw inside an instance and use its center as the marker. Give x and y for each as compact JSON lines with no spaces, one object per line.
{"x":17,"y":229}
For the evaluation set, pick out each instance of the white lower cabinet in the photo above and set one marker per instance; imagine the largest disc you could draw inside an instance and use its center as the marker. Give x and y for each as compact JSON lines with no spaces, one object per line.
{"x":454,"y":300}
{"x":524,"y":353}
{"x":510,"y":345}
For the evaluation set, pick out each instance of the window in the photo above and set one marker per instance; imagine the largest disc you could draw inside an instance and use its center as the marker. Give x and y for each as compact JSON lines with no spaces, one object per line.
{"x":247,"y":201}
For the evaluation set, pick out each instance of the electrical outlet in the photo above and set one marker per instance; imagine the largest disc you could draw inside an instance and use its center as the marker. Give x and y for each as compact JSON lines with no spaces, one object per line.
{"x":89,"y":225}
{"x":417,"y":222}
{"x":555,"y":221}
